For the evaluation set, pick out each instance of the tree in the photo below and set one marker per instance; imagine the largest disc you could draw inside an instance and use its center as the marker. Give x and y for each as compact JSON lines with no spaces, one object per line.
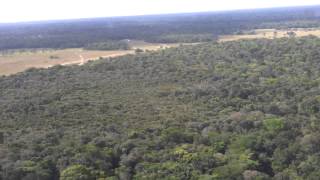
{"x":1,"y":138}
{"x":291,"y":34}
{"x":273,"y":124}
{"x":77,"y":172}
{"x":138,"y":50}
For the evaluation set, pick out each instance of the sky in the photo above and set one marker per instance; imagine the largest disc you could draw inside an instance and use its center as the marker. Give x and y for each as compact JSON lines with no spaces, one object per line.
{"x":35,"y":10}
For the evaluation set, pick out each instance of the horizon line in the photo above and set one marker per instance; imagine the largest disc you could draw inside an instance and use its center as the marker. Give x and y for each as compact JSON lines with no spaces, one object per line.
{"x":150,"y":14}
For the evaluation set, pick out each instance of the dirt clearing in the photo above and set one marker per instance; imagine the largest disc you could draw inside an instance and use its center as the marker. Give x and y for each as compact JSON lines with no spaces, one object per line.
{"x":18,"y":61}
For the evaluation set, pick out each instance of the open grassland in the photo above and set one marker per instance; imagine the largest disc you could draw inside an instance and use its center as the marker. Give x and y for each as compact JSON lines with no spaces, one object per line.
{"x":271,"y":34}
{"x":18,"y":61}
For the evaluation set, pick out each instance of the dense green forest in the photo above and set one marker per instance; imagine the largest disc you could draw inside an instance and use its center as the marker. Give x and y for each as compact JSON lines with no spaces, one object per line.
{"x":215,"y":111}
{"x":183,"y":38}
{"x":109,"y":45}
{"x":191,"y":27}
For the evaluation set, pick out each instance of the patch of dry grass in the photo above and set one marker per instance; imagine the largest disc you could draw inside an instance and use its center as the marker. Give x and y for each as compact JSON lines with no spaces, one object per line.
{"x":18,"y":61}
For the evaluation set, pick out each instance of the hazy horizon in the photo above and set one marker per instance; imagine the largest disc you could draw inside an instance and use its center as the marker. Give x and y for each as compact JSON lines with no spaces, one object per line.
{"x":42,"y":10}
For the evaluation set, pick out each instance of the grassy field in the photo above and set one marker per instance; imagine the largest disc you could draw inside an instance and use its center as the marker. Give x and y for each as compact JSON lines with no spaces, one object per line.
{"x":18,"y":61}
{"x":271,"y":34}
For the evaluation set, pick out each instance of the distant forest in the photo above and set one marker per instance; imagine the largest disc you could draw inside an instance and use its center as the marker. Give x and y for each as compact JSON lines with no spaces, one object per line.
{"x":193,"y":27}
{"x":109,"y":45}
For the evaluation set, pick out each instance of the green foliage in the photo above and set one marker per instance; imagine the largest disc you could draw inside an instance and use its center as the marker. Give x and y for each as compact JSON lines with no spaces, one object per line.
{"x":184,"y":38}
{"x":109,"y":45}
{"x":273,"y":124}
{"x":77,"y":172}
{"x":234,"y":110}
{"x":271,"y":81}
{"x":176,"y":135}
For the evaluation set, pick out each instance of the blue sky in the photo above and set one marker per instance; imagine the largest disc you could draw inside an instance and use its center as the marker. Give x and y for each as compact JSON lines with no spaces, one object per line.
{"x":31,"y":10}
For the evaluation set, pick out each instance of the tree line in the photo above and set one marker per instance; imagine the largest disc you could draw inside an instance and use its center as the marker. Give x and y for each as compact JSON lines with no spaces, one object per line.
{"x":161,"y":28}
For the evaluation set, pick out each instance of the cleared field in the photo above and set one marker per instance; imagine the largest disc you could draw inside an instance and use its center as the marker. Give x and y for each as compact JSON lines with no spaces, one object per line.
{"x":271,"y":34}
{"x":17,"y":61}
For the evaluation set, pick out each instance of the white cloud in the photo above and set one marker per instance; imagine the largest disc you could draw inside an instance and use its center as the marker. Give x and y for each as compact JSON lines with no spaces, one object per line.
{"x":27,"y":10}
